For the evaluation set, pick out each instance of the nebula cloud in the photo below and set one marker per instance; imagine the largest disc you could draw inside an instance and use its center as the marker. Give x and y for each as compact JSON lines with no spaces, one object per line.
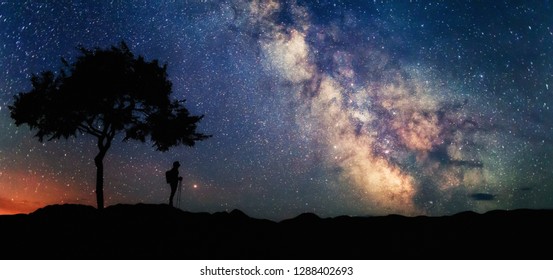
{"x":390,"y":136}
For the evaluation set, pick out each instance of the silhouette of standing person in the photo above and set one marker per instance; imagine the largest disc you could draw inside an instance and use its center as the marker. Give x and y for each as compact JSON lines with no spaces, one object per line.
{"x":173,"y":178}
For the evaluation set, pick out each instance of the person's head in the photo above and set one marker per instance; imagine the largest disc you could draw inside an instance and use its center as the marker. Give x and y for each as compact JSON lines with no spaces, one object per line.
{"x":176,"y":164}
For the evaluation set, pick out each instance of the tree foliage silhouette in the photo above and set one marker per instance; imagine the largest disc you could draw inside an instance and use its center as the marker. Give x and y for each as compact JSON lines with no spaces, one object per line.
{"x":104,"y":93}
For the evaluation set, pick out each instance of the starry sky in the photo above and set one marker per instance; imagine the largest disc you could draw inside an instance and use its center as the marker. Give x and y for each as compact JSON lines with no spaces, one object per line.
{"x":331,"y":107}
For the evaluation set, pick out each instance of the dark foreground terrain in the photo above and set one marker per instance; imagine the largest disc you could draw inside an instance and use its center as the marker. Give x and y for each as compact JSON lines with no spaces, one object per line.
{"x":160,"y":232}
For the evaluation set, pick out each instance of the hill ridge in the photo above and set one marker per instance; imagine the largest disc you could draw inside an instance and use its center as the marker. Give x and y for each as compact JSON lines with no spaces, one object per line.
{"x":156,"y":231}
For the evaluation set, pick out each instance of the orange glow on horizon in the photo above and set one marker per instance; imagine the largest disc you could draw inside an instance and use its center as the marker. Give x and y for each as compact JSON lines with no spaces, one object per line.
{"x":24,"y":192}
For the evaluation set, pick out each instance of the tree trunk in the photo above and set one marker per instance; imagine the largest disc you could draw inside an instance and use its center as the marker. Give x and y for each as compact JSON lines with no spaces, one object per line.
{"x":104,"y":142}
{"x":99,"y":162}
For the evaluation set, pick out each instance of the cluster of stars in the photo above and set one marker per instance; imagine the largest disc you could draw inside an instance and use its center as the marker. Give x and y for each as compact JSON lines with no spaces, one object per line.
{"x":332,"y":107}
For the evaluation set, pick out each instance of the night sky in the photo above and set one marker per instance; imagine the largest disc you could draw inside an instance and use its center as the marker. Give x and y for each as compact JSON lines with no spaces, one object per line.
{"x":330,"y":107}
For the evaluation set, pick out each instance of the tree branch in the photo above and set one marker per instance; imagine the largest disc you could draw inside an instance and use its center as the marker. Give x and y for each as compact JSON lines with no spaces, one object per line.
{"x":89,"y":130}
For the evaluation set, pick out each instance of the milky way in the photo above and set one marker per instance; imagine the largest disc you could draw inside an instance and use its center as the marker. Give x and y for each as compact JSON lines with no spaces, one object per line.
{"x":331,"y":107}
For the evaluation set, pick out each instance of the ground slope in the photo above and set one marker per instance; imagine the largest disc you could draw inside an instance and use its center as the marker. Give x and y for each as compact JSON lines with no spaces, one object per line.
{"x":146,"y":231}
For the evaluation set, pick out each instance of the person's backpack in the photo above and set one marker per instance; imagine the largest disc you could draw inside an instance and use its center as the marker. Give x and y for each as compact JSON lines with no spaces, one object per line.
{"x":168,"y":176}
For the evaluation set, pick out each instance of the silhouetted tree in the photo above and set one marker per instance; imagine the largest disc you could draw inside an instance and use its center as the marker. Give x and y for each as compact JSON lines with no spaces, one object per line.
{"x":105,"y":92}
